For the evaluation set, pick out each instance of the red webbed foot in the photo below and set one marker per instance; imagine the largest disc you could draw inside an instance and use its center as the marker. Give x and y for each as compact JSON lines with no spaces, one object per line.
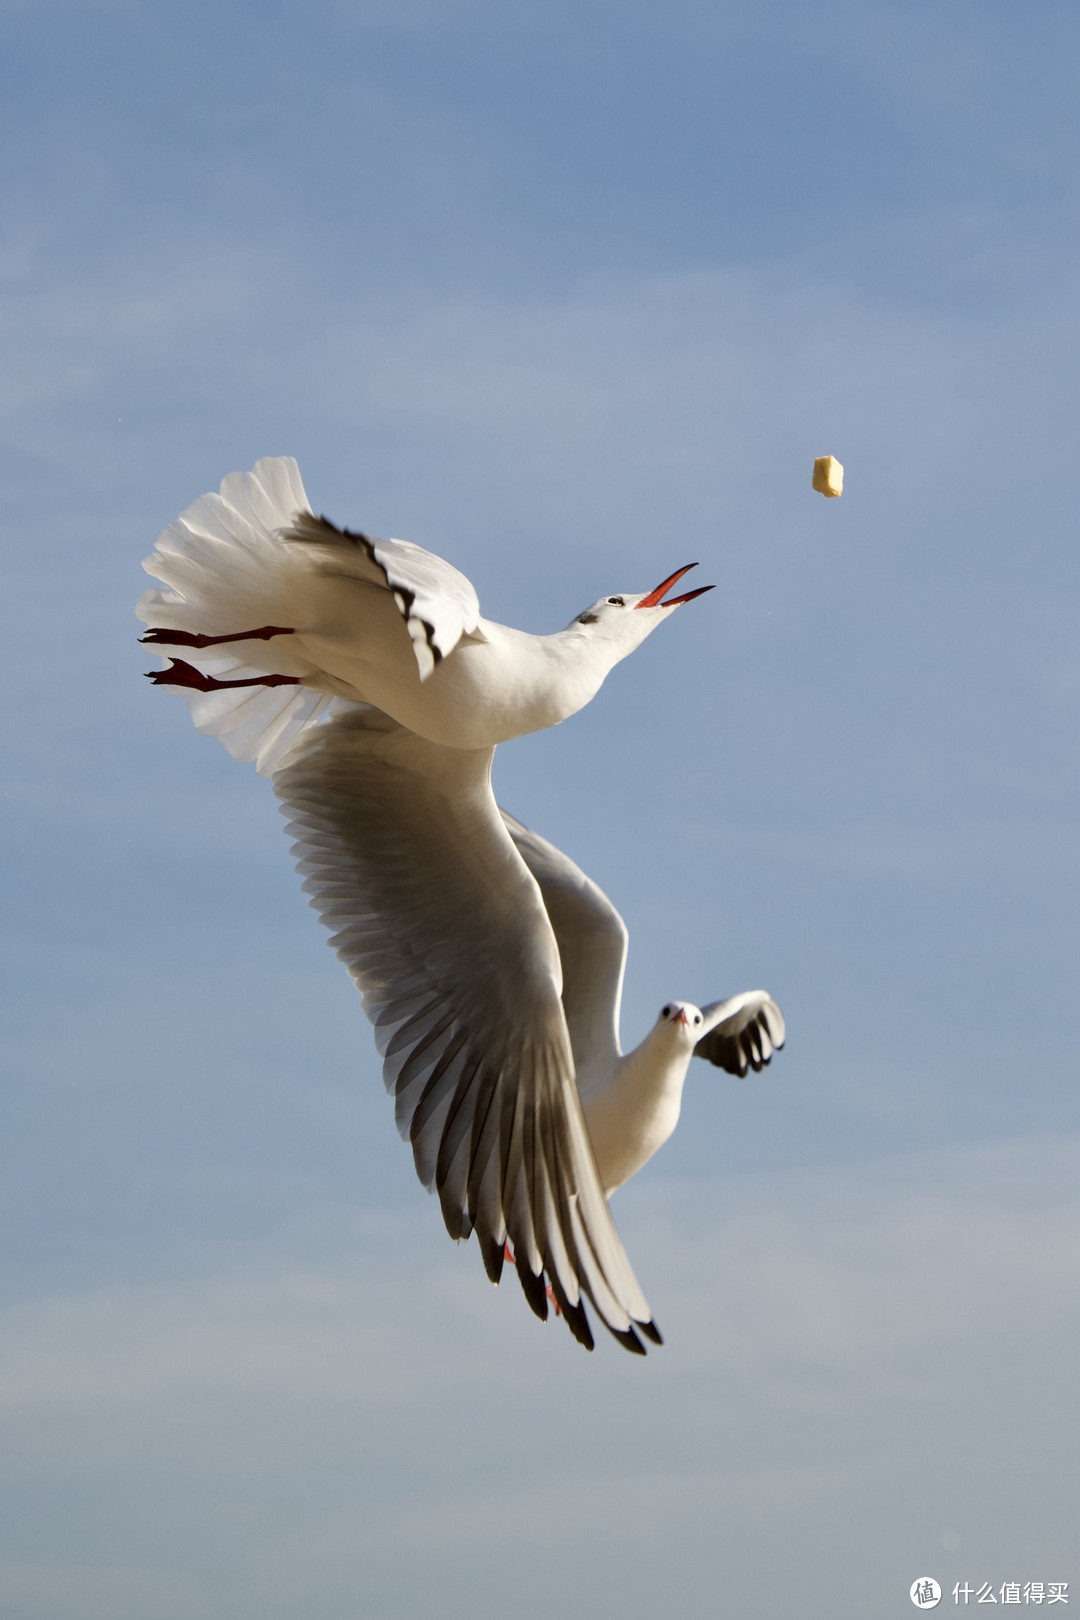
{"x":180,"y":673}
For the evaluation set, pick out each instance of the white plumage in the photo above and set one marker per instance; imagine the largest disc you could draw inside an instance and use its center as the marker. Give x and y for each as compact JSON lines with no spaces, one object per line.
{"x":267,"y":591}
{"x":492,"y":967}
{"x":489,"y":964}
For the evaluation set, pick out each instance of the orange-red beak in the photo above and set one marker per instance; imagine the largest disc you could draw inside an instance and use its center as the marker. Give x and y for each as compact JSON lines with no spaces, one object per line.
{"x":654,"y":597}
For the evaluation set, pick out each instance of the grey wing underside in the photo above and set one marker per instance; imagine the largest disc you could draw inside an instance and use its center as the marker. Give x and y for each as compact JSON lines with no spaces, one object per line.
{"x":745,"y":1032}
{"x":592,"y":941}
{"x":440,"y":924}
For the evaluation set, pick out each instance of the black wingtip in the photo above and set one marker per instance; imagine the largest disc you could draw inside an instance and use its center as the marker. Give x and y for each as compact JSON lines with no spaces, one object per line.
{"x":574,"y":1315}
{"x":533,"y":1288}
{"x":493,"y":1255}
{"x":628,"y":1339}
{"x":651,"y":1331}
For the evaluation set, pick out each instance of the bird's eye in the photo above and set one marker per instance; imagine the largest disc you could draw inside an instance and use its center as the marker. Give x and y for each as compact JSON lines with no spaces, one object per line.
{"x":616,"y":601}
{"x":697,"y":1018}
{"x":665,"y":1012}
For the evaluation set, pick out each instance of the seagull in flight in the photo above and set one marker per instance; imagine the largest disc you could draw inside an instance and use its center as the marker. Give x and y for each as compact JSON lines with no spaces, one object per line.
{"x":289,"y":614}
{"x":492,"y":968}
{"x":361,"y":676}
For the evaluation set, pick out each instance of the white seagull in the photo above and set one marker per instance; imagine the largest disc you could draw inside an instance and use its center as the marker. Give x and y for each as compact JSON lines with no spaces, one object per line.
{"x":289,"y":613}
{"x":491,"y":968}
{"x":490,"y":965}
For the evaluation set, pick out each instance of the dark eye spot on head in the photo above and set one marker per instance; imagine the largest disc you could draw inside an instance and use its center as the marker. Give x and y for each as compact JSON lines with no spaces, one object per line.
{"x":589,"y":618}
{"x":665,"y":1012}
{"x":697,"y":1018}
{"x":617,"y":601}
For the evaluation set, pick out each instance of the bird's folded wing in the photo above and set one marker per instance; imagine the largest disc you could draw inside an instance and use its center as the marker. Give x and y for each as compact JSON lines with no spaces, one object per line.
{"x":592,"y":942}
{"x":437,"y":603}
{"x":442,"y":927}
{"x":743,"y":1032}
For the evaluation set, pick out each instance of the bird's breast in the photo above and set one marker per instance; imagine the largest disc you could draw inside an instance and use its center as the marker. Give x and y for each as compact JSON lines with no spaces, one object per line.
{"x":633,"y":1117}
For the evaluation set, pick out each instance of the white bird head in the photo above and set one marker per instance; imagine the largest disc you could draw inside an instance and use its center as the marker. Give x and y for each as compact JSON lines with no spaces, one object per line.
{"x":622,"y":622}
{"x":683,"y":1020}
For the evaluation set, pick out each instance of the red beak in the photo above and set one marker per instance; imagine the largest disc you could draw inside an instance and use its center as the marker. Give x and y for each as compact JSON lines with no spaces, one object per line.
{"x":682,"y":1018}
{"x":654,"y":597}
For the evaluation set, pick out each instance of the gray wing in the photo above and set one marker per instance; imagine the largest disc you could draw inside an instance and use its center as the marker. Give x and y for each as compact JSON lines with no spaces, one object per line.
{"x":443,"y":929}
{"x":592,"y":941}
{"x":743,"y":1032}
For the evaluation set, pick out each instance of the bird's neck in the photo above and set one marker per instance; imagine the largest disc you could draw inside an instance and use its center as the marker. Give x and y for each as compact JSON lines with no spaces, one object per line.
{"x":554,"y":675}
{"x":638,"y":1109}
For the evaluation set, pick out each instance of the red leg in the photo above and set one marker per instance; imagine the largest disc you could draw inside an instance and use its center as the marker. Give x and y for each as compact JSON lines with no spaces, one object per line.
{"x":187,"y":638}
{"x":181,"y":674}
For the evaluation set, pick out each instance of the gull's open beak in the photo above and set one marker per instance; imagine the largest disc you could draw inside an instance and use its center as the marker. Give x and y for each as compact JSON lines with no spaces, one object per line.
{"x":653,"y":598}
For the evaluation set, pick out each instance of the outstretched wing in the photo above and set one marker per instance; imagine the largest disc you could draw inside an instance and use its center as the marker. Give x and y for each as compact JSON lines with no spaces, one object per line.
{"x":438,"y":920}
{"x":592,"y":941}
{"x":743,"y":1032}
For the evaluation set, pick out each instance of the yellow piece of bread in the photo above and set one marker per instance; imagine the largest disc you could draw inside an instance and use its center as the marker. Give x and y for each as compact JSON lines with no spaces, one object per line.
{"x":828,"y":476}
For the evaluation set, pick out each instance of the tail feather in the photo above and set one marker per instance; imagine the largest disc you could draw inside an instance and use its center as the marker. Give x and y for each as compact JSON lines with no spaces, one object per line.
{"x":254,"y":555}
{"x":261,"y":497}
{"x":260,"y":723}
{"x":226,"y":569}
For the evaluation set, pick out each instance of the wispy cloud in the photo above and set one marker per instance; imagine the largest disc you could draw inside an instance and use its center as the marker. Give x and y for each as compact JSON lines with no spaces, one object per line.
{"x":892,"y":1301}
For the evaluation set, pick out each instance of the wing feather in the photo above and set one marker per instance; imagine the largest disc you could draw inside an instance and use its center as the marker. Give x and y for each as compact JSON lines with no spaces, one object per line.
{"x":407,"y":860}
{"x":438,"y":604}
{"x":742,"y":1032}
{"x":592,"y":941}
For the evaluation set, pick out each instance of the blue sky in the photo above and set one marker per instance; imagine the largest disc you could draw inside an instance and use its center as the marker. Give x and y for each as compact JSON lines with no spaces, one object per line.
{"x":570,"y":295}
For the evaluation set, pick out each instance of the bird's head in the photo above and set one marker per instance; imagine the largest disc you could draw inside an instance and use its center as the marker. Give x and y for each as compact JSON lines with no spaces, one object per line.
{"x":621,"y":623}
{"x":682,"y":1021}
